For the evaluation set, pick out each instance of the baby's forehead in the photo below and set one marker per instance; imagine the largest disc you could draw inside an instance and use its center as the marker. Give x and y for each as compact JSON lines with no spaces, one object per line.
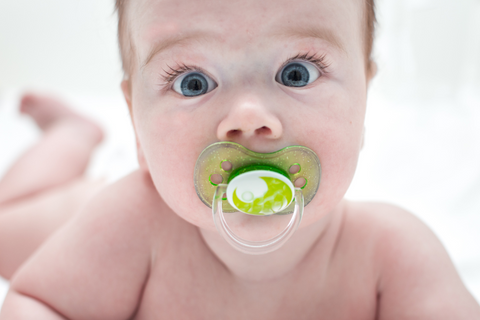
{"x":240,"y":21}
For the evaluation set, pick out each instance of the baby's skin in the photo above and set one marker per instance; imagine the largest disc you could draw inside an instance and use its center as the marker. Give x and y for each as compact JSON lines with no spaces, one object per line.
{"x":146,"y":247}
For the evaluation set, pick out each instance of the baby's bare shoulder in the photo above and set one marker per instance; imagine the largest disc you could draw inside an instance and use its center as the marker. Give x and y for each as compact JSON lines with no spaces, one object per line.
{"x":104,"y":252}
{"x":398,"y":238}
{"x":133,"y":195}
{"x":128,"y":208}
{"x":377,"y":222}
{"x":381,"y":229}
{"x":416,"y":278}
{"x":137,"y":206}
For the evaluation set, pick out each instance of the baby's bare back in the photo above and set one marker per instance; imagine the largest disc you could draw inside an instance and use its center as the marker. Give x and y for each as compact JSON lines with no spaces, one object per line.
{"x":129,"y":256}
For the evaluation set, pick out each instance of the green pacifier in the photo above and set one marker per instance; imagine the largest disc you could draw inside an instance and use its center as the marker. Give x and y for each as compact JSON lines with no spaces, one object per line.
{"x":230,"y":178}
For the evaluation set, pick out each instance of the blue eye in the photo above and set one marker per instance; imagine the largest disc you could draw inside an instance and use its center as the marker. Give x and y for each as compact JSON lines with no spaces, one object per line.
{"x":193,"y":84}
{"x":298,"y":74}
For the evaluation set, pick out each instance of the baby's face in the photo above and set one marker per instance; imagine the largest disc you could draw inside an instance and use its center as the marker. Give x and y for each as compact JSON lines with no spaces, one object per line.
{"x":266,"y":74}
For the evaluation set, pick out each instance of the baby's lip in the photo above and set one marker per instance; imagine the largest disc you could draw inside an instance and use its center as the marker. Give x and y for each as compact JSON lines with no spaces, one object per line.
{"x":261,"y":147}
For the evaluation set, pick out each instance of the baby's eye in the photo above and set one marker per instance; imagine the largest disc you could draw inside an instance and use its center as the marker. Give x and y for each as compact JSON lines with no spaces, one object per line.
{"x":298,"y":74}
{"x":193,"y":84}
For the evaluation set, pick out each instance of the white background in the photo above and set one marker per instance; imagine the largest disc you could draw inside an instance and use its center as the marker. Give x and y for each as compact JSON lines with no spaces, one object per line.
{"x":423,"y":122}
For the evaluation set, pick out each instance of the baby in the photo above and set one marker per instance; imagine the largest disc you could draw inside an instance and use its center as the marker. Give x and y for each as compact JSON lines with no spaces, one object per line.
{"x":267,"y":75}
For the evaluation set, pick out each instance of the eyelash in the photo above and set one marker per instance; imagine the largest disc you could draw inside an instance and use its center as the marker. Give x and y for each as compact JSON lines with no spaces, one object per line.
{"x":174,"y":73}
{"x":319,"y":61}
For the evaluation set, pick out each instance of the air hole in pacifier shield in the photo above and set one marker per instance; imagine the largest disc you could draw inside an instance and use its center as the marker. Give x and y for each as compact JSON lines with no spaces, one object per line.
{"x":300,"y":183}
{"x":226,"y":165}
{"x":216,"y":179}
{"x":294,"y":169}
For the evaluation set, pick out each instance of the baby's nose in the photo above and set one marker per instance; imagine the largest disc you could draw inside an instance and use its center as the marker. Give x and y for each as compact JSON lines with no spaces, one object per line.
{"x":249,"y":119}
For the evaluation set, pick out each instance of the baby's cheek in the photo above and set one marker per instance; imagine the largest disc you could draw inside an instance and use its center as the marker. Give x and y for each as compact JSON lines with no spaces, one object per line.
{"x":336,"y":140}
{"x":174,"y":141}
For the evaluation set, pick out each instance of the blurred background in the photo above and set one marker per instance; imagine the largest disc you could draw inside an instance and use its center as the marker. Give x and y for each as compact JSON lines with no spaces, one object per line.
{"x":422,"y":148}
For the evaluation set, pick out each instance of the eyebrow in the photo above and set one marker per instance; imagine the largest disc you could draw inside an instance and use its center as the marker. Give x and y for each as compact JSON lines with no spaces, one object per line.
{"x":325,"y":34}
{"x":173,"y":41}
{"x":301,"y":33}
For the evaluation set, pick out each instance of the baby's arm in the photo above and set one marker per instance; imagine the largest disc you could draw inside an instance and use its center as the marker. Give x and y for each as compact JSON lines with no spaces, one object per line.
{"x":97,"y":265}
{"x":18,"y":306}
{"x":418,"y":279}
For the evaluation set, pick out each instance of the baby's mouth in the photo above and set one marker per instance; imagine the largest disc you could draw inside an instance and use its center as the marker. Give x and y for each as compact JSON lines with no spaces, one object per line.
{"x":221,"y":162}
{"x":229,"y":177}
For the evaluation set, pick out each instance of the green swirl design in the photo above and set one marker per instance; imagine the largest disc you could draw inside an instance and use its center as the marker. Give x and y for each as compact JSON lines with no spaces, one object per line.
{"x":278,"y":196}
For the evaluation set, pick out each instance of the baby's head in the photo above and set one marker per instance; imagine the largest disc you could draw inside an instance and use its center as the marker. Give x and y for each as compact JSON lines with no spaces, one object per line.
{"x":265,"y":74}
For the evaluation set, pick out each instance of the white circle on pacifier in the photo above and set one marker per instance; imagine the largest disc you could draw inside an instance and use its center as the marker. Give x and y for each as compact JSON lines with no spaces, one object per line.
{"x":247,"y":187}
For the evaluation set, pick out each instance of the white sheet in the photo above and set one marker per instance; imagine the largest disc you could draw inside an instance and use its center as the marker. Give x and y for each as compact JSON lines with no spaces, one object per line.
{"x":3,"y":290}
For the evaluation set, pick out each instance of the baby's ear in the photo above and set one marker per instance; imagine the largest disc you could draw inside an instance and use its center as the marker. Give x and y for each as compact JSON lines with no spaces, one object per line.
{"x":127,"y":93}
{"x":363,"y":138}
{"x":371,"y":70}
{"x":141,"y":157}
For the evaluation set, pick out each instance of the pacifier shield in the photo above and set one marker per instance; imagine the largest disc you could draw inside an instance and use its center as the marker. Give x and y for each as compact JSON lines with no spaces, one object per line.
{"x":229,"y":161}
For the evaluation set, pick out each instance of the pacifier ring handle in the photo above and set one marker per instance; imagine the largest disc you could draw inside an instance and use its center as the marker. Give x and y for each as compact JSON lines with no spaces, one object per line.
{"x":255,"y":247}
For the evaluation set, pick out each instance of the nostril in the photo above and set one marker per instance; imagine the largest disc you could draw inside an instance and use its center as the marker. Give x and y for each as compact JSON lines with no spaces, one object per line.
{"x":263,"y":131}
{"x":233,"y":133}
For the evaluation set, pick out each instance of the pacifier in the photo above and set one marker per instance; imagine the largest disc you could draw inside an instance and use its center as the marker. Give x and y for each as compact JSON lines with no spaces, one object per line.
{"x":231,"y":178}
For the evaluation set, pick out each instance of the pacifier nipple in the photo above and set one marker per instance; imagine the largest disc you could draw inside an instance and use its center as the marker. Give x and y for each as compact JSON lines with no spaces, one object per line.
{"x":231,"y":178}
